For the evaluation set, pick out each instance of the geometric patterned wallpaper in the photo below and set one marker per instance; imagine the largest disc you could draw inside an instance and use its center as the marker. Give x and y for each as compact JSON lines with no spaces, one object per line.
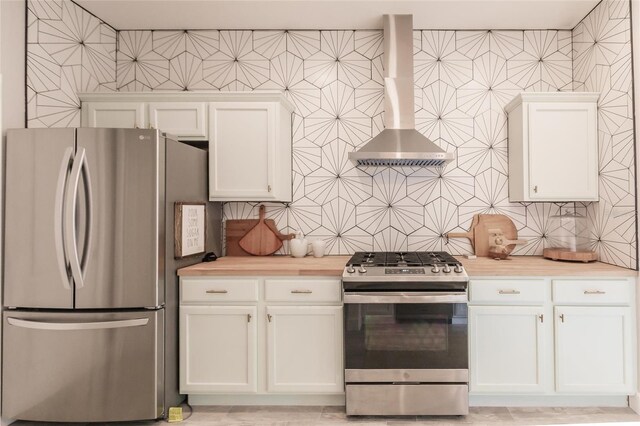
{"x":68,"y":51}
{"x":602,"y":63}
{"x":463,"y":79}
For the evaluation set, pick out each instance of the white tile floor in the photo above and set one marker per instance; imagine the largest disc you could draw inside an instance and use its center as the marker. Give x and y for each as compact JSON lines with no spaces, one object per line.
{"x":307,"y":416}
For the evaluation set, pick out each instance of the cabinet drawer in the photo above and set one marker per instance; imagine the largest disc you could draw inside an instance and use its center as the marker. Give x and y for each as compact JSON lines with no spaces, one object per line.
{"x":220,"y":290}
{"x":593,"y":292}
{"x":508,"y":291}
{"x":303,"y":290}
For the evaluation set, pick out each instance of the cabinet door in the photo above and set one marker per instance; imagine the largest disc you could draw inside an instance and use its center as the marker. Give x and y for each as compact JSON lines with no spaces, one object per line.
{"x":124,"y":115}
{"x":594,"y":350}
{"x":507,"y":349}
{"x":186,"y":120}
{"x":563,"y":152}
{"x":241,"y":151}
{"x":304,"y":349}
{"x":218,"y":349}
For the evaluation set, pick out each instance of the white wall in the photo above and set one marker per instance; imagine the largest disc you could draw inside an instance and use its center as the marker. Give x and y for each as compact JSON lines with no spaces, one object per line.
{"x":12,"y":85}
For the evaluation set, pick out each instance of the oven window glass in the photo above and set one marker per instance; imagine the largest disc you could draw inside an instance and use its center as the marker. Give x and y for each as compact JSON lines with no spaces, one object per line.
{"x":406,"y":336}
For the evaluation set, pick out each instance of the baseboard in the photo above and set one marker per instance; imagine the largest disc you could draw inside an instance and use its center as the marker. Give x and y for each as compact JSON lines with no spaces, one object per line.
{"x":634,"y":402}
{"x":548,"y":401}
{"x":334,"y":399}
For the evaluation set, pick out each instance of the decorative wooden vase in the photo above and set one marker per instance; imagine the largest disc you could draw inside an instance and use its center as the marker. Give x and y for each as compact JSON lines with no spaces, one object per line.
{"x":559,"y":253}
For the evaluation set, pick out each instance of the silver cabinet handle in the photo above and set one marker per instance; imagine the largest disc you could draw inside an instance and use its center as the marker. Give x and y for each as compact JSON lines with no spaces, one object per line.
{"x":268,"y":188}
{"x":301,"y":291}
{"x":269,"y":317}
{"x":248,"y":317}
{"x":98,"y":325}
{"x":508,"y":292}
{"x":594,"y":292}
{"x":58,"y":221}
{"x":562,"y":317}
{"x":217,"y":291}
{"x":70,"y":219}
{"x":541,"y":316}
{"x":535,"y":189}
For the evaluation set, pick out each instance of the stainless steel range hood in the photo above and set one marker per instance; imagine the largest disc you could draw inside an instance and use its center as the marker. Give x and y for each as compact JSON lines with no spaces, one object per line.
{"x":399,"y":144}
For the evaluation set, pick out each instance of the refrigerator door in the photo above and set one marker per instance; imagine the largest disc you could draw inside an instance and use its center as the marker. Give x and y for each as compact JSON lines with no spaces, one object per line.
{"x":118,"y":252}
{"x":38,"y":163}
{"x":82,"y":367}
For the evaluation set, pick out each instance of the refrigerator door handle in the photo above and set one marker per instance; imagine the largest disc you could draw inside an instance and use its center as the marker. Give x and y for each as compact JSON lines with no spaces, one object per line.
{"x":89,"y":220}
{"x":70,"y":218}
{"x":97,"y":325}
{"x":61,"y":249}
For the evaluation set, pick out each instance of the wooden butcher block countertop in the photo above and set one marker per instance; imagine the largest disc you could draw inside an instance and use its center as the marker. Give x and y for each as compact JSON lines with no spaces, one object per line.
{"x":530,"y":266}
{"x":269,"y":265}
{"x":525,"y":266}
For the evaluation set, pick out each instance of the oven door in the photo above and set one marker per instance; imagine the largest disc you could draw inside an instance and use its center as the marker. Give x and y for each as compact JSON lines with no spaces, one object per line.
{"x":405,"y":337}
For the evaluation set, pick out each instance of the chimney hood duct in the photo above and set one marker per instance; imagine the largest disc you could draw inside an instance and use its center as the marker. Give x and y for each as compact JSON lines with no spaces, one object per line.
{"x":399,"y":144}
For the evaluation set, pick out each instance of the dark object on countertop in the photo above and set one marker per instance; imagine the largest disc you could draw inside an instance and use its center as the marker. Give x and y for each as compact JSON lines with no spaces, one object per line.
{"x":209,"y":257}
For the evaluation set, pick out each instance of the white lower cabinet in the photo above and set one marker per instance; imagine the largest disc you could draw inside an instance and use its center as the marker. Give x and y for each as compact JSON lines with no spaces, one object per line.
{"x":252,"y":337}
{"x":594,"y":349}
{"x":507,"y":349}
{"x":218,"y":349}
{"x":304,"y":349}
{"x":562,"y":342}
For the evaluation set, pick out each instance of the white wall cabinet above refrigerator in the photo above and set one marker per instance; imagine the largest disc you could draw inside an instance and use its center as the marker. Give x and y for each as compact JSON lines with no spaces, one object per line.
{"x":553,"y":147}
{"x":248,"y":133}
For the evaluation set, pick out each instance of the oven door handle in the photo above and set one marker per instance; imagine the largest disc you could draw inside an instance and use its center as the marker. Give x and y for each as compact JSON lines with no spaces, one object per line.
{"x":405,"y":297}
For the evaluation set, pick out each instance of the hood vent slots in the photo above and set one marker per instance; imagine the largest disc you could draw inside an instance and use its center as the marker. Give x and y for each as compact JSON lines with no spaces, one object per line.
{"x":392,"y":162}
{"x":399,"y":144}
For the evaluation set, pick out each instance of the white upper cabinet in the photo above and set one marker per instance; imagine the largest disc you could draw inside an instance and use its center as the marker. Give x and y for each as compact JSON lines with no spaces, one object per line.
{"x":250,"y":151}
{"x":127,"y":115}
{"x":187,"y":120}
{"x":249,"y":134}
{"x":553,"y":147}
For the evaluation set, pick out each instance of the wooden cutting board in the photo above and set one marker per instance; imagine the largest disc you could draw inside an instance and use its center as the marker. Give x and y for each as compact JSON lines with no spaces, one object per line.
{"x":235,"y":229}
{"x":479,"y":233}
{"x":493,"y":221}
{"x":261,"y":240}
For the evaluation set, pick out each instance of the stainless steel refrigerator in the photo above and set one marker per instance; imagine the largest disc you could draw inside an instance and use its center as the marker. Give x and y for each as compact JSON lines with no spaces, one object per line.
{"x":90,"y":288}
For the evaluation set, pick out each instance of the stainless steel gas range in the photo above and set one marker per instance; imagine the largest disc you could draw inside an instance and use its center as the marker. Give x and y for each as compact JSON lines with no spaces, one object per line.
{"x":405,"y":334}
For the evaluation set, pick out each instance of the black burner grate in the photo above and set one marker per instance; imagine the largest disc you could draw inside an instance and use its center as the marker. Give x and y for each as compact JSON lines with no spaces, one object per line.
{"x":412,"y":258}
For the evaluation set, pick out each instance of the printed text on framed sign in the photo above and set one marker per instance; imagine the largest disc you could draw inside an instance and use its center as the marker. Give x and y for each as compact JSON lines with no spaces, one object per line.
{"x":190,"y":229}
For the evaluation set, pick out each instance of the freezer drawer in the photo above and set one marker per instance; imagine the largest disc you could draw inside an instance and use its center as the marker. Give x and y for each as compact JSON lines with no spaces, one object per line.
{"x":82,"y":367}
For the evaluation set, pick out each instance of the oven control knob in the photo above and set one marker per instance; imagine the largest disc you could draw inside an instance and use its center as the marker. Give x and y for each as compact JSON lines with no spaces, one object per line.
{"x":351,"y":269}
{"x":435,"y":269}
{"x":362,"y":270}
{"x":458,"y":269}
{"x":446,"y":269}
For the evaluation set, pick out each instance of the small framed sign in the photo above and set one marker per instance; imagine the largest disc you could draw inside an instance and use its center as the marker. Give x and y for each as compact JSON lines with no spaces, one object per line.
{"x":190,"y":229}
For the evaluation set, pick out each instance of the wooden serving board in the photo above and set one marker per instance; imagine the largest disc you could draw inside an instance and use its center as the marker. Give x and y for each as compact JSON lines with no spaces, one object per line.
{"x":493,"y":221}
{"x":238,"y":228}
{"x":261,"y":240}
{"x":559,"y":253}
{"x":479,"y":233}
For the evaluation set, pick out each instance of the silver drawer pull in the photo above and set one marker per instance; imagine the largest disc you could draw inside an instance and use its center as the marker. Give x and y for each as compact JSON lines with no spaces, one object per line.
{"x":594,"y":292}
{"x":508,"y":292}
{"x":217,"y":291}
{"x":301,"y":291}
